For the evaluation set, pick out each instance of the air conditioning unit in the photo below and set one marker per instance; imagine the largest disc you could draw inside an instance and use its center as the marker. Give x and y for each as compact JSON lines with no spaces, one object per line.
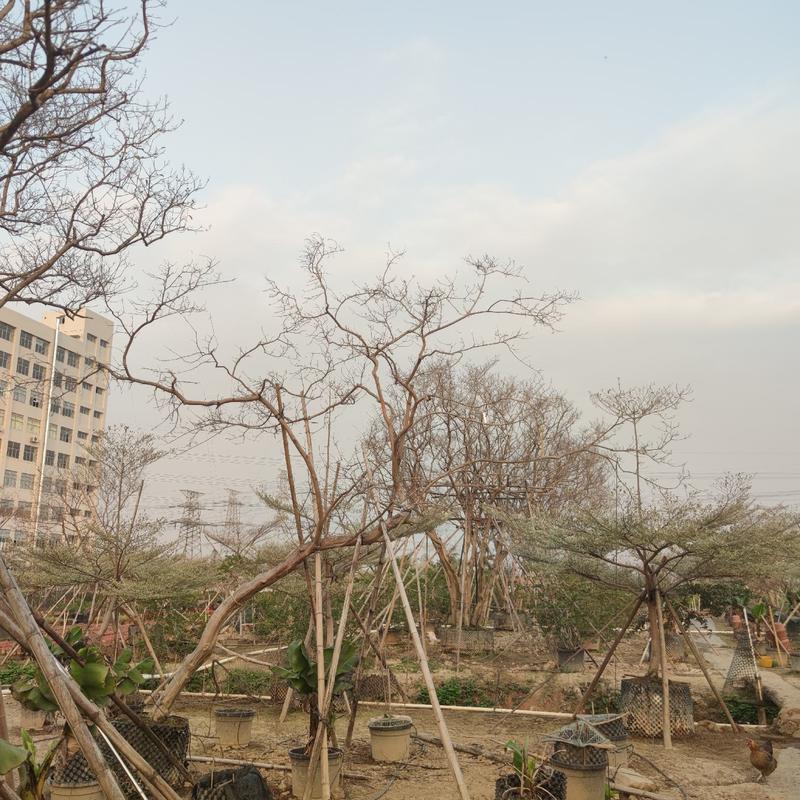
{"x":34,"y":440}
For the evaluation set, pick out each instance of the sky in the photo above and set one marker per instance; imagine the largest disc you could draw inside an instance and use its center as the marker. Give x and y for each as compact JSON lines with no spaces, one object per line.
{"x":642,"y":155}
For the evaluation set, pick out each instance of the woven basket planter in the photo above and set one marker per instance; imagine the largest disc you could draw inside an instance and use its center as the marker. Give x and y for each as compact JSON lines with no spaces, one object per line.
{"x":643,"y":700}
{"x":473,"y":640}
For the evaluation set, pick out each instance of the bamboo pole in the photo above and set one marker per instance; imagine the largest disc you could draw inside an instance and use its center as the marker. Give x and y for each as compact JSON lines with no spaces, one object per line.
{"x":423,"y":662}
{"x":5,"y":779}
{"x":667,"y":728}
{"x":322,"y":731}
{"x":762,"y":714}
{"x":137,"y":618}
{"x":604,"y":663}
{"x":34,"y":640}
{"x":239,"y":762}
{"x":337,"y":650}
{"x":701,"y":663}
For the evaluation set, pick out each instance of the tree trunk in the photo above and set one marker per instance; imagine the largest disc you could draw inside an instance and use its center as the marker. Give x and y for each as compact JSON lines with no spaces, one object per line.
{"x":655,"y":644}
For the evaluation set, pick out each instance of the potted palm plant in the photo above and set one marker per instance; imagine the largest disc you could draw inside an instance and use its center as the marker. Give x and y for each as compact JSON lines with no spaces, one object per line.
{"x":300,"y":673}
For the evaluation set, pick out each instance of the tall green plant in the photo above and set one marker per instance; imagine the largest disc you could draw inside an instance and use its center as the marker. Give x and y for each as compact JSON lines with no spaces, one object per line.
{"x":300,"y":673}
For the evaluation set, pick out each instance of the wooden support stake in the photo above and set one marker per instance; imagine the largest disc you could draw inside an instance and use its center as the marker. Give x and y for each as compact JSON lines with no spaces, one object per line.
{"x":762,"y":714}
{"x":667,"y":732}
{"x":701,"y":663}
{"x":609,"y":655}
{"x":33,"y":638}
{"x":426,"y":672}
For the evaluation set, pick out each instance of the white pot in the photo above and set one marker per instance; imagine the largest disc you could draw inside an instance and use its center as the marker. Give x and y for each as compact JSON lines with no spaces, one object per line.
{"x":300,"y":760}
{"x":76,"y":791}
{"x":390,"y":738}
{"x":234,"y":726}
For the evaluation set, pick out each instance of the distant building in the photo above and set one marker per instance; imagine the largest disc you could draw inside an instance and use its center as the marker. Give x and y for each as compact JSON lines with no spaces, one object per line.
{"x":53,"y":400}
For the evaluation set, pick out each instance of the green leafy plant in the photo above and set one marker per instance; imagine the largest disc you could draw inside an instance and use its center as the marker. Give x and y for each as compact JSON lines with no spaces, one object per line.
{"x":524,"y":765}
{"x":33,"y":773}
{"x":300,"y":673}
{"x":97,"y":679}
{"x":457,"y":692}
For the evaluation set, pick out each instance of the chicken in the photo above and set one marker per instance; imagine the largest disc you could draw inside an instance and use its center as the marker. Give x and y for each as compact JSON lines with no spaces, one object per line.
{"x":762,"y":758}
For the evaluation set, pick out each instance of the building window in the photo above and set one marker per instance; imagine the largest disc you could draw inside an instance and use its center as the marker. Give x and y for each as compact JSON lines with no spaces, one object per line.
{"x":87,"y":513}
{"x":23,"y":366}
{"x":97,"y":414}
{"x":52,"y":429}
{"x":6,"y":331}
{"x":3,"y":387}
{"x":10,"y":479}
{"x":95,"y":439}
{"x":36,"y":400}
{"x":29,"y":453}
{"x":58,"y":379}
{"x":103,"y":343}
{"x":68,"y":409}
{"x":34,"y":426}
{"x":2,"y":418}
{"x":99,"y":390}
{"x":70,"y":384}
{"x":90,"y":337}
{"x":47,"y":485}
{"x":49,"y":458}
{"x":55,"y":406}
{"x":26,"y":481}
{"x":60,"y":354}
{"x":62,"y":461}
{"x":25,"y":340}
{"x":56,"y":513}
{"x":24,"y":509}
{"x":5,"y":358}
{"x":17,"y":422}
{"x":87,"y":386}
{"x":20,"y":394}
{"x":73,"y":359}
{"x":6,"y":504}
{"x":82,"y":435}
{"x":42,"y":346}
{"x":65,"y":435}
{"x":85,"y":409}
{"x":38,"y":372}
{"x":79,"y":460}
{"x":89,"y":362}
{"x":12,"y":450}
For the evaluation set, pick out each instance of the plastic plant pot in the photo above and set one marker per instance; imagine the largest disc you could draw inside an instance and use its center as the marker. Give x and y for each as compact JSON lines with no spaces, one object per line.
{"x":390,"y":738}
{"x":234,"y":726}
{"x":300,"y":760}
{"x":570,"y":660}
{"x":76,"y":791}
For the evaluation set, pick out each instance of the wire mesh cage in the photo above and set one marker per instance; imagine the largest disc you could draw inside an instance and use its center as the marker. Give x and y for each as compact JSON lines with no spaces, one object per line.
{"x":580,"y":746}
{"x":742,"y":671}
{"x":612,"y":726}
{"x":172,"y":732}
{"x":473,"y":640}
{"x":642,"y":699}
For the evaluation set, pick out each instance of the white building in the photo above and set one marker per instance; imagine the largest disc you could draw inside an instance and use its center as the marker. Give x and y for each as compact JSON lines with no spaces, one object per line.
{"x":53,"y":398}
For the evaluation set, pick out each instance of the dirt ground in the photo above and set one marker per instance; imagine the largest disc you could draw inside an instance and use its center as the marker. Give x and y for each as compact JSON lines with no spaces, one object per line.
{"x":710,"y":766}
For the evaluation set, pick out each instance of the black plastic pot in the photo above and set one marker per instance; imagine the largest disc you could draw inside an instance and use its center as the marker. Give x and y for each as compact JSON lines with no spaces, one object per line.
{"x":570,"y":660}
{"x":244,"y":783}
{"x":551,"y":786}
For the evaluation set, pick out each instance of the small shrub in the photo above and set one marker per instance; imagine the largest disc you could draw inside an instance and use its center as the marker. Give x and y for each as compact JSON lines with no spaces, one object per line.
{"x":14,"y":670}
{"x":246,"y":681}
{"x":457,"y":692}
{"x":745,"y":711}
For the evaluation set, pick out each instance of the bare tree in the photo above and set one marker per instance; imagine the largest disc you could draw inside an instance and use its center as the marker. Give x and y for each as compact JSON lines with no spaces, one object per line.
{"x":338,"y":357}
{"x":488,"y":446}
{"x":82,"y":171}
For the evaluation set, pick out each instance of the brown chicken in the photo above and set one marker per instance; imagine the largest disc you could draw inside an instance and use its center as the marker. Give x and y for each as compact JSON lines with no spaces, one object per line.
{"x":762,"y":758}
